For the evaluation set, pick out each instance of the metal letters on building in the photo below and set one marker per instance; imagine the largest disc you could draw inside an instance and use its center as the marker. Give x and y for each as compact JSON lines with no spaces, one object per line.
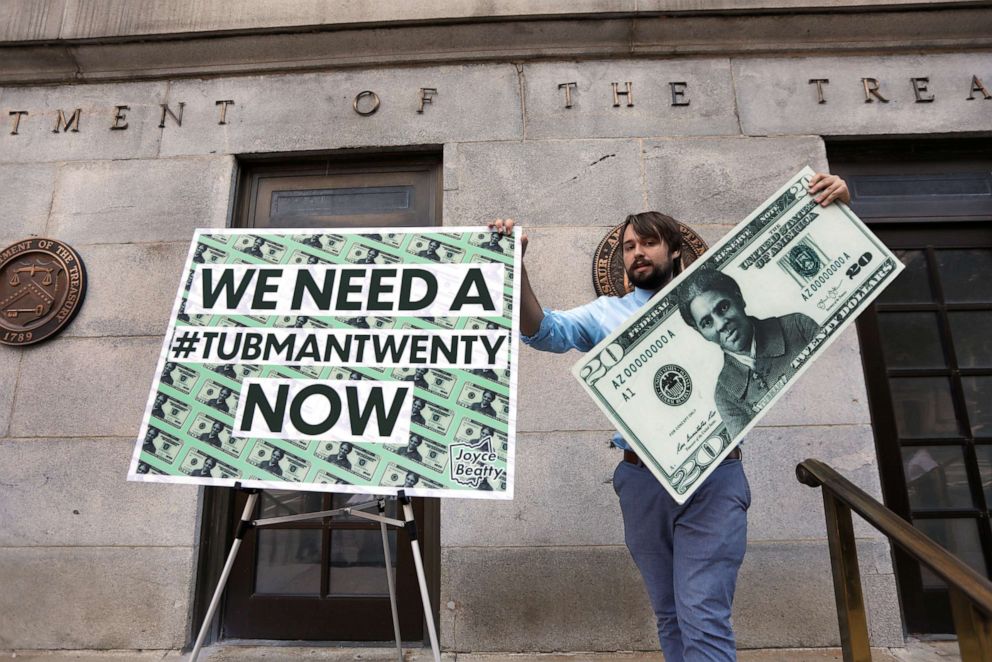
{"x":608,"y":276}
{"x":367,"y":103}
{"x":42,"y":286}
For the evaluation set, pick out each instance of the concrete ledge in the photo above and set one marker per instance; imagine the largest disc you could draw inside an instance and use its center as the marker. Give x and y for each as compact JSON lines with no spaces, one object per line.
{"x":592,"y":598}
{"x":141,"y":200}
{"x":26,"y":197}
{"x":770,"y":459}
{"x":143,"y":275}
{"x":101,"y":391}
{"x":10,"y":357}
{"x":315,"y":111}
{"x":31,"y":20}
{"x":543,"y":599}
{"x":546,"y":183}
{"x":112,"y":43}
{"x":785,"y":597}
{"x":95,"y":597}
{"x":90,"y":503}
{"x":97,"y":655}
{"x":707,"y":94}
{"x":90,"y":137}
{"x":913,"y":651}
{"x":775,"y":95}
{"x":714,"y":180}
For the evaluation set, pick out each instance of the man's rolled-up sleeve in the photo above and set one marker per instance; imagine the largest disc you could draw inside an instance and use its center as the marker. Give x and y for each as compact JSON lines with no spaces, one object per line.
{"x":562,"y":330}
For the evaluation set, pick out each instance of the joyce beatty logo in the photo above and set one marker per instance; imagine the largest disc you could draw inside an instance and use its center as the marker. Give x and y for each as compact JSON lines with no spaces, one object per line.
{"x":673,"y":385}
{"x":473,"y":464}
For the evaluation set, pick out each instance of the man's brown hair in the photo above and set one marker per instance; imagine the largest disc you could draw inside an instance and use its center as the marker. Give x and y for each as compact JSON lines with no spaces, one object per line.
{"x":658,"y":225}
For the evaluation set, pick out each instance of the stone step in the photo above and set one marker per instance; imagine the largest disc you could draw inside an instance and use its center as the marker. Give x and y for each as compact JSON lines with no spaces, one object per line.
{"x":914,"y":651}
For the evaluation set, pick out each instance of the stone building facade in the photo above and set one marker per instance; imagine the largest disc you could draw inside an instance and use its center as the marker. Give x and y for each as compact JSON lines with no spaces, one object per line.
{"x":563,"y":115}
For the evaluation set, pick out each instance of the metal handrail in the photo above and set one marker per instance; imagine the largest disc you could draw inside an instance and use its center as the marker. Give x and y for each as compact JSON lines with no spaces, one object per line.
{"x":970,"y":592}
{"x":945,"y":565}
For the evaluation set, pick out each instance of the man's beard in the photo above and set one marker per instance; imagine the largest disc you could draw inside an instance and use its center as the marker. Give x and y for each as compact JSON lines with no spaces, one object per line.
{"x":652,"y":280}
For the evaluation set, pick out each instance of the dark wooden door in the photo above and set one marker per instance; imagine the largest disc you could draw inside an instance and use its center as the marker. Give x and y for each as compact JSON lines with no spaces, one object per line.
{"x":317,"y":580}
{"x":927,"y":357}
{"x":343,"y":195}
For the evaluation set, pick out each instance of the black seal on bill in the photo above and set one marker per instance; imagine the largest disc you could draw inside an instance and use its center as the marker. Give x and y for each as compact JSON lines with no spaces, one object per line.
{"x":672,"y":385}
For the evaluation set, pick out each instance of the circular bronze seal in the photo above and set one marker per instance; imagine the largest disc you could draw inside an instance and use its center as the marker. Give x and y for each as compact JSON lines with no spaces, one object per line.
{"x":42,"y":285}
{"x":608,"y":276}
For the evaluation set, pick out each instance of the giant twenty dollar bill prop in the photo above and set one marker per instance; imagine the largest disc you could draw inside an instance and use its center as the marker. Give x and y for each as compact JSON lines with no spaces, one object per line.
{"x":364,"y":361}
{"x":692,"y":371}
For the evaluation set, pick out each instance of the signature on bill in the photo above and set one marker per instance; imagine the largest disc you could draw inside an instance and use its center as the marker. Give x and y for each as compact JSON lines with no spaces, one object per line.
{"x":703,"y":425}
{"x":832,"y":297}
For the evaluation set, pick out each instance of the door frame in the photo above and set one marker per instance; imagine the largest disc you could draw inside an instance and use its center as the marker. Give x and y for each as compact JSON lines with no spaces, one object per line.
{"x":926,"y":611}
{"x":254,"y":172}
{"x":218,"y":516}
{"x":922,"y":156}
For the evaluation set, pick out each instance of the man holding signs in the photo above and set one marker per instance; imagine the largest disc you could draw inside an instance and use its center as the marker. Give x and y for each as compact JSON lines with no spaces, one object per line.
{"x":688,"y":554}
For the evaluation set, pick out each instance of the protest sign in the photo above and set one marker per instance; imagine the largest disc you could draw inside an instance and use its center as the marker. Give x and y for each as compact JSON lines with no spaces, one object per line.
{"x":349,"y":361}
{"x":695,"y":368}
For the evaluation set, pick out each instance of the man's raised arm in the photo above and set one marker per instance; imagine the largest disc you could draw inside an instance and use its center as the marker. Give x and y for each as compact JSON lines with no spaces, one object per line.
{"x":531,"y":312}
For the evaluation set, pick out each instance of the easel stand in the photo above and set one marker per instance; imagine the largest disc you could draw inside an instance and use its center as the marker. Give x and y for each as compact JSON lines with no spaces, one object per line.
{"x":357,"y":510}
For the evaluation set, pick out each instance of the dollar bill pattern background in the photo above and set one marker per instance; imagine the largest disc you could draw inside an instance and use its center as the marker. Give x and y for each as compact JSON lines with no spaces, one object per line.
{"x":192,"y":406}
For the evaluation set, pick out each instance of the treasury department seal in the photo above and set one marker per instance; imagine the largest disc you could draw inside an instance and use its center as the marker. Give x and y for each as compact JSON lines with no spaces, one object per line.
{"x":672,"y":385}
{"x":608,"y":276}
{"x":42,"y":286}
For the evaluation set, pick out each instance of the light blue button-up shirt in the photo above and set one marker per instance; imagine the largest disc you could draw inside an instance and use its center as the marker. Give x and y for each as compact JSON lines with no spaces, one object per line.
{"x":584,"y":327}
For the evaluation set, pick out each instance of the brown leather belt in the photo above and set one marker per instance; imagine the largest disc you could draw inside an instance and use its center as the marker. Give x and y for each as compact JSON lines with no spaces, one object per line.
{"x":631,"y":456}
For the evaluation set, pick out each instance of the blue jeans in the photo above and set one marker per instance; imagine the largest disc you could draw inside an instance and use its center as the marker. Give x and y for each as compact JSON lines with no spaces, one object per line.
{"x":688,"y":556}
